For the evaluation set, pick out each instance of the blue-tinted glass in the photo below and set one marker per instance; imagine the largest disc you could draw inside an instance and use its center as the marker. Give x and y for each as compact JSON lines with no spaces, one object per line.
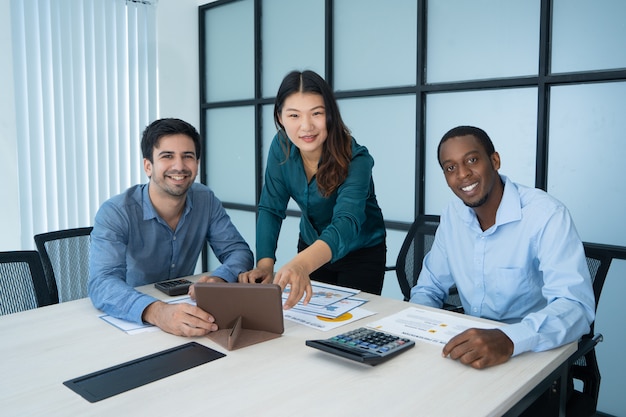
{"x":287,"y":241}
{"x":481,"y":39}
{"x":229,"y":51}
{"x":587,"y":149}
{"x":588,"y":35}
{"x":269,"y":131}
{"x":386,"y":126}
{"x":508,"y":116}
{"x":375,"y":43}
{"x":230,"y":154}
{"x":293,"y":39}
{"x":245,"y":222}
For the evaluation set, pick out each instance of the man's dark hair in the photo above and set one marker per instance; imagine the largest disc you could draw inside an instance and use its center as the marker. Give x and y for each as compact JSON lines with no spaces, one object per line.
{"x":164,"y":127}
{"x":478,"y":133}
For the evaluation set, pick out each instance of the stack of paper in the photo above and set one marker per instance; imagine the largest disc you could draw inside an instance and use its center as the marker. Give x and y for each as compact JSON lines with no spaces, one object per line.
{"x":330,"y":306}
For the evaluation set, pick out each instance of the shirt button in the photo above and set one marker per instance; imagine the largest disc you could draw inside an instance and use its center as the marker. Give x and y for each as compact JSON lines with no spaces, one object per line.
{"x":174,"y":238}
{"x":173,"y":265}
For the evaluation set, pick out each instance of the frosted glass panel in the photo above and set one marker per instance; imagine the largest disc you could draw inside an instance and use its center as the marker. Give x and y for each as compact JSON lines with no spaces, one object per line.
{"x":230,"y":154}
{"x":588,"y":35}
{"x":245,"y":222}
{"x":287,"y":241}
{"x":480,"y":39}
{"x":508,"y":116}
{"x":229,"y":51}
{"x":269,"y":131}
{"x":386,"y":126}
{"x":586,"y":158}
{"x":286,"y":46}
{"x":375,"y":43}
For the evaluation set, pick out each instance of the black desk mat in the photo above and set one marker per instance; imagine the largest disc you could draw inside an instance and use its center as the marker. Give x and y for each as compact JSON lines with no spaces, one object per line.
{"x":126,"y":376}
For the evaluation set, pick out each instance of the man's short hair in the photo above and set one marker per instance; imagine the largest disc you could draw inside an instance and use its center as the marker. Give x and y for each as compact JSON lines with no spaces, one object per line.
{"x":164,"y":127}
{"x":477,"y":132}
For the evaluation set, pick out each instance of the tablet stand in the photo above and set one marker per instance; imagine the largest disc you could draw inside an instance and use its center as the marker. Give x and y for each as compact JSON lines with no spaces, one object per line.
{"x":237,"y":336}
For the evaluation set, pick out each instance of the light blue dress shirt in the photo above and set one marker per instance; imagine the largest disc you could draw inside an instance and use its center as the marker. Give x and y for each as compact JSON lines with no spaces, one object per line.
{"x":132,"y":246}
{"x":528,"y":269}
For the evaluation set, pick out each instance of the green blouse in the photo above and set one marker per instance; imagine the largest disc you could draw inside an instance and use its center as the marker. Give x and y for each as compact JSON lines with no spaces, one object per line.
{"x":348,"y":219}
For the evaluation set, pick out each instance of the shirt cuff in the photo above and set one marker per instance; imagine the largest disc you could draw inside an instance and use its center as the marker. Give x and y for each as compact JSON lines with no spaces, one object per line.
{"x":136,"y":312}
{"x":523,"y":338}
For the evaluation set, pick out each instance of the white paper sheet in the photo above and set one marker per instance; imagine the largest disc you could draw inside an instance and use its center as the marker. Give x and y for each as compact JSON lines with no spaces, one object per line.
{"x":427,"y":325}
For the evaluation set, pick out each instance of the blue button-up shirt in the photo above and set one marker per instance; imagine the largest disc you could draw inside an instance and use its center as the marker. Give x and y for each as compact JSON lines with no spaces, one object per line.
{"x":528,"y":269}
{"x":131,"y":246}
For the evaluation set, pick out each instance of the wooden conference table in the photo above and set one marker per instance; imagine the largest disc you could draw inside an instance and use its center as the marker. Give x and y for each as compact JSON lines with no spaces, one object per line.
{"x":41,"y":348}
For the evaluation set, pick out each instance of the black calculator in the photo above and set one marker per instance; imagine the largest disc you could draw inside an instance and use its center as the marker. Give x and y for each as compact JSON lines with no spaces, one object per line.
{"x":364,"y":345}
{"x":173,"y":287}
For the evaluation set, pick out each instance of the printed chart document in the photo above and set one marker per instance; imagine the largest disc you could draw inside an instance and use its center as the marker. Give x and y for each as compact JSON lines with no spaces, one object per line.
{"x":323,"y":295}
{"x":331,"y":311}
{"x":426,"y":325}
{"x":331,"y":306}
{"x":326,"y":323}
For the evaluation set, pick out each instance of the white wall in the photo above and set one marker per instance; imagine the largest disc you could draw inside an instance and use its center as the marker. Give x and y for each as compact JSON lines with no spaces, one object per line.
{"x":177,"y":34}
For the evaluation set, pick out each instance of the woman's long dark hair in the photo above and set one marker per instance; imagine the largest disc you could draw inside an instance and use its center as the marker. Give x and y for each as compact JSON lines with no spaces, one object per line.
{"x":337,"y":150}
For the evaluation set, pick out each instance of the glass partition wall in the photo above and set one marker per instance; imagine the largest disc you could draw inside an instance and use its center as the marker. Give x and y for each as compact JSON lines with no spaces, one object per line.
{"x":545,"y":78}
{"x":405,"y":72}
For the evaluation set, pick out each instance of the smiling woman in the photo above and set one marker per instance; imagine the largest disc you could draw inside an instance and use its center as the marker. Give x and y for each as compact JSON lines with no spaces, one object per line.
{"x":314,"y":160}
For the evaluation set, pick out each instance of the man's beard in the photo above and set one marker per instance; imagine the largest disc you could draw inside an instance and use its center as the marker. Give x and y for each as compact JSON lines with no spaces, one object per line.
{"x":478,"y":203}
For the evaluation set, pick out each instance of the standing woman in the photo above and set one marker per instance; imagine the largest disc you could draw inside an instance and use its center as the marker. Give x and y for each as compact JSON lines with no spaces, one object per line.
{"x":314,"y":160}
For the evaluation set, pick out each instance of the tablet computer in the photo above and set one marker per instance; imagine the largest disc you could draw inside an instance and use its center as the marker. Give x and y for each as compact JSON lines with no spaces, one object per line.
{"x":258,"y":306}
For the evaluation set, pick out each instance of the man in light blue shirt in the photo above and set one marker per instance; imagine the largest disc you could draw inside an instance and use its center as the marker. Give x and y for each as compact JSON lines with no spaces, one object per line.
{"x":156,"y":231}
{"x":512,"y":251}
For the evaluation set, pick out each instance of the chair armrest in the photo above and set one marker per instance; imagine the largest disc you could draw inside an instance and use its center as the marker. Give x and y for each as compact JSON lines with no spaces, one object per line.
{"x":453,"y":308}
{"x":585,"y":345}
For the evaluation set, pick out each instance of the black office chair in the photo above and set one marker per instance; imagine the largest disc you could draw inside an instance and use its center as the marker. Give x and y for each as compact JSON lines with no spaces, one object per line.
{"x":583,"y":363}
{"x":65,"y":259}
{"x":417,"y":243}
{"x":22,"y":282}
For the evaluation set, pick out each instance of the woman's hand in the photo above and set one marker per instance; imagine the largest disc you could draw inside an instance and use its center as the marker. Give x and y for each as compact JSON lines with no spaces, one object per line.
{"x":205,"y":278}
{"x":257,"y":276}
{"x":297,"y":277}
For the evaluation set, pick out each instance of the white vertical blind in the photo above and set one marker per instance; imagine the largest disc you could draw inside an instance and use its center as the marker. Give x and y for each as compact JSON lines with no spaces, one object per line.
{"x":85,"y":87}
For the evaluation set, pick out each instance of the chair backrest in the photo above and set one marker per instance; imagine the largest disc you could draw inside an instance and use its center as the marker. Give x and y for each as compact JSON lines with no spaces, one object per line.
{"x":599,"y":257}
{"x":22,"y":282}
{"x":65,"y":259}
{"x":417,"y":243}
{"x":583,"y":363}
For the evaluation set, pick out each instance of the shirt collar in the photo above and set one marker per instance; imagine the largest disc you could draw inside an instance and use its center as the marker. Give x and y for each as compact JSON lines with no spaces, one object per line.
{"x":509,"y":210}
{"x":149,"y":211}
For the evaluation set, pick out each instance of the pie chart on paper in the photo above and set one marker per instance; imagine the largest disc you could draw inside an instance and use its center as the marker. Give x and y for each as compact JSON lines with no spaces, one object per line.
{"x":343,"y":317}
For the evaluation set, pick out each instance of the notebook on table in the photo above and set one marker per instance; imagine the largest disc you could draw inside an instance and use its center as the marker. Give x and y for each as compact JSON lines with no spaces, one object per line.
{"x":245,"y":314}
